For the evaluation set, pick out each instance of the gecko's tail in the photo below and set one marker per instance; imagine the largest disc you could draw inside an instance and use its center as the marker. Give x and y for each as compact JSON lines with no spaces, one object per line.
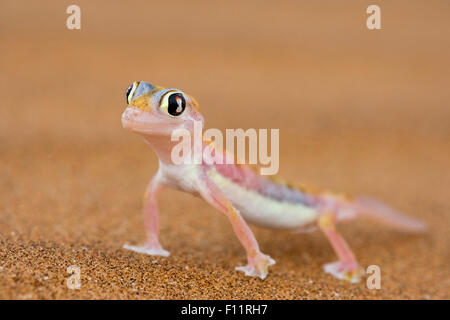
{"x":378,"y":211}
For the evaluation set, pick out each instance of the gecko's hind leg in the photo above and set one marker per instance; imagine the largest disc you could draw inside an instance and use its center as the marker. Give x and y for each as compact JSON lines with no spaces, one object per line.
{"x":152,"y":246}
{"x":347,"y":268}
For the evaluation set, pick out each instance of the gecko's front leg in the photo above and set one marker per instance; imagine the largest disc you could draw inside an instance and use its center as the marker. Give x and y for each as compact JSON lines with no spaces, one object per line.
{"x":151,"y":212}
{"x":258,"y":263}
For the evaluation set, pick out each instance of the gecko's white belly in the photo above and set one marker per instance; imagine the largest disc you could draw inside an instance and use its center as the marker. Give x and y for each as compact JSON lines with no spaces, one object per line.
{"x":181,"y":177}
{"x":263,"y":211}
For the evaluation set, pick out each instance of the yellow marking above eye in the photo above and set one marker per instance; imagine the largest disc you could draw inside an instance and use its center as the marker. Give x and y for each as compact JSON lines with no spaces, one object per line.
{"x":131,"y":91}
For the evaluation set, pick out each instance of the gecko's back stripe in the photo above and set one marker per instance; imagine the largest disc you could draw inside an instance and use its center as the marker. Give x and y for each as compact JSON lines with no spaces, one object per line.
{"x":247,"y":178}
{"x":284,"y":193}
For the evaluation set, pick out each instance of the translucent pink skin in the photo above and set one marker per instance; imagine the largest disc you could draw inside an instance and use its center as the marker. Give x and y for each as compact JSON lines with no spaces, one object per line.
{"x":157,"y":136}
{"x":156,"y":127}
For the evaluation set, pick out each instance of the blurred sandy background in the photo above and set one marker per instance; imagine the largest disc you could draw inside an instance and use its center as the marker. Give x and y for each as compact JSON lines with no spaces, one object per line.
{"x":360,"y":111}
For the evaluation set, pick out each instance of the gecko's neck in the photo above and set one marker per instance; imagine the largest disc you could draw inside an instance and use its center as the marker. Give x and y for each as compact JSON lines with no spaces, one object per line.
{"x":162,"y":145}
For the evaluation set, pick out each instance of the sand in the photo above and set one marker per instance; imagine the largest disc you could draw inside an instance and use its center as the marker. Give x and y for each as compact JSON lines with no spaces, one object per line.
{"x":366,"y":112}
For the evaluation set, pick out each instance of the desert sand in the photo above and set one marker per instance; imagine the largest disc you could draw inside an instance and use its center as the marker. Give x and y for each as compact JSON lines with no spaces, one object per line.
{"x":365,"y":112}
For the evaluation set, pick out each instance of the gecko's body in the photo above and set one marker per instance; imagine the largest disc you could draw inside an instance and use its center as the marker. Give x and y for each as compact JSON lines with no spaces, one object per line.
{"x":265,"y":203}
{"x":237,"y":190}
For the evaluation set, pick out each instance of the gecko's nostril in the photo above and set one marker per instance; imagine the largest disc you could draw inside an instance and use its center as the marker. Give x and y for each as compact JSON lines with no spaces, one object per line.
{"x":126,"y":120}
{"x":126,"y":115}
{"x":129,"y":116}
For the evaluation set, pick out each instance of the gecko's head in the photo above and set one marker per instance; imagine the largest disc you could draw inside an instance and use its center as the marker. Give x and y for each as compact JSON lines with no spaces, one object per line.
{"x":153,"y":110}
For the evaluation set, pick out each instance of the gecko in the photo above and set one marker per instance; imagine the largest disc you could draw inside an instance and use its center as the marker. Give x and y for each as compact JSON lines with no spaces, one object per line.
{"x":239,"y":192}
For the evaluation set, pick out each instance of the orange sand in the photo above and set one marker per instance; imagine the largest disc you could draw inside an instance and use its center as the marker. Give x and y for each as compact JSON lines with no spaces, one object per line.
{"x":361,"y":111}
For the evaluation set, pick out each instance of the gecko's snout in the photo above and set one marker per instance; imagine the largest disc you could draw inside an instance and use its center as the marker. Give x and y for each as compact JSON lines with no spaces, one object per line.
{"x":128,"y":117}
{"x":139,"y":121}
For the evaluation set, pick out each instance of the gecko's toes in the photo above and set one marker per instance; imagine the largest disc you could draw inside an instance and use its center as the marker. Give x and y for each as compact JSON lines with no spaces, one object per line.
{"x":258,"y":267}
{"x":348,"y":272}
{"x":147,"y":250}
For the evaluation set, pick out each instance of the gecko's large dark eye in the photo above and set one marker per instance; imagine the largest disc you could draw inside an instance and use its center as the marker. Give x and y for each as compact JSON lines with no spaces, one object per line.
{"x":130,"y":91}
{"x":176,"y":104}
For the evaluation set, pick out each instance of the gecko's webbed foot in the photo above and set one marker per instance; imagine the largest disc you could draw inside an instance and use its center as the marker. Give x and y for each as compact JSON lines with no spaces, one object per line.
{"x":258,"y":266}
{"x":350,"y":272}
{"x":150,"y":250}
